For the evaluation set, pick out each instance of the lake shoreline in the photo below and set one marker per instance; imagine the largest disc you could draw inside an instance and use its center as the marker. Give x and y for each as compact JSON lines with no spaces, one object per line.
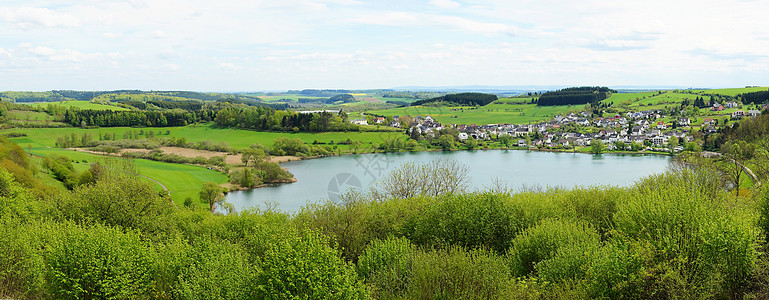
{"x":324,"y":178}
{"x":299,"y":158}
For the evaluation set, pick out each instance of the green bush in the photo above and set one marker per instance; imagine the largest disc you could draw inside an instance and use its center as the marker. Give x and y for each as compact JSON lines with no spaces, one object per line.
{"x":99,"y":262}
{"x":306,"y":266}
{"x":702,"y":244}
{"x":289,"y":146}
{"x":386,"y":265}
{"x":468,"y":220}
{"x":553,"y":246}
{"x":211,"y":269}
{"x":455,"y":273}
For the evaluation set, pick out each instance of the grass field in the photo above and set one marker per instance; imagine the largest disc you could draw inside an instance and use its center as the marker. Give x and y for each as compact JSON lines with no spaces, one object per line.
{"x":79,"y":104}
{"x":46,"y":137}
{"x":494,"y":113}
{"x":24,"y":115}
{"x":287,"y":98}
{"x":619,"y":98}
{"x":731,"y":91}
{"x":182,"y":180}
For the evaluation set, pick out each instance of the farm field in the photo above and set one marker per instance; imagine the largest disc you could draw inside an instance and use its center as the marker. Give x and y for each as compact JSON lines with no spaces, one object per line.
{"x":78,"y":104}
{"x":495,"y":113}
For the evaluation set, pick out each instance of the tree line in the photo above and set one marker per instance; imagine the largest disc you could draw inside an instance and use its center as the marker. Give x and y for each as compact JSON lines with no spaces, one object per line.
{"x":575,"y":96}
{"x":759,"y":97}
{"x":468,"y":99}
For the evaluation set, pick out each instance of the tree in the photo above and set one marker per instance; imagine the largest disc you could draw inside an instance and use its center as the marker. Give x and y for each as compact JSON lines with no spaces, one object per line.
{"x":446,"y":141}
{"x":252,"y":154}
{"x":505,"y":139}
{"x":471,"y":143}
{"x":355,"y":146}
{"x":212,"y":194}
{"x":672,"y":143}
{"x":735,"y":155}
{"x":410,"y":180}
{"x":597,"y":147}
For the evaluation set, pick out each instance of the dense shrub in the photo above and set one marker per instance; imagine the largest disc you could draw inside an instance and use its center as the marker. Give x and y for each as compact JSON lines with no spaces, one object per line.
{"x":386,"y":265}
{"x":289,"y":146}
{"x":210,"y":269}
{"x":553,"y":247}
{"x":456,"y":273}
{"x":306,"y":266}
{"x":702,"y":246}
{"x":99,"y":262}
{"x":468,"y":220}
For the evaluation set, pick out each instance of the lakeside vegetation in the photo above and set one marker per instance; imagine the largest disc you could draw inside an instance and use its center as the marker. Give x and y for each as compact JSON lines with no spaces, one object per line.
{"x":82,"y":225}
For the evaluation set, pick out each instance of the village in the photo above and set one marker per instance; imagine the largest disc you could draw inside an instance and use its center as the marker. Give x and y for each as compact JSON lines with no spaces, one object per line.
{"x":631,"y":131}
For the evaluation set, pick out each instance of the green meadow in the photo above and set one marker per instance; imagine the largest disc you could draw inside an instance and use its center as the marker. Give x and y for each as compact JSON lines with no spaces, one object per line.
{"x":237,"y":138}
{"x":731,"y":91}
{"x":495,"y":113}
{"x":78,"y":104}
{"x":182,"y":180}
{"x":24,"y":115}
{"x":619,"y":98}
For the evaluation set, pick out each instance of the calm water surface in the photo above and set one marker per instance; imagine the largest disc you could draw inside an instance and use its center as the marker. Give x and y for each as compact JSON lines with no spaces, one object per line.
{"x":324,"y":178}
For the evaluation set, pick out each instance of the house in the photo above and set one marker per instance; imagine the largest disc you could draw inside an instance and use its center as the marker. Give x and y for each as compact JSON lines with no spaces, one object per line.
{"x":462,"y":136}
{"x":753,"y":113}
{"x":359,"y":121}
{"x":730,"y":104}
{"x":521,"y":143}
{"x":717,"y":107}
{"x":710,"y":129}
{"x":738,"y":115}
{"x":661,"y":125}
{"x":523,"y":130}
{"x":709,"y":122}
{"x":659,"y":140}
{"x":684,"y":121}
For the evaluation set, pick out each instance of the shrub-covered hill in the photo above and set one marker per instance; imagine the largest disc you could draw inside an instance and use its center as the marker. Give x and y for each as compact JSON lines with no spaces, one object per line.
{"x":468,"y":99}
{"x":674,"y":235}
{"x":575,"y":96}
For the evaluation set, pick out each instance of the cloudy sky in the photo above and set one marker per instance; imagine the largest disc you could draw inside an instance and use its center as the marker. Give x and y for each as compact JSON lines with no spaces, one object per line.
{"x":253,"y":45}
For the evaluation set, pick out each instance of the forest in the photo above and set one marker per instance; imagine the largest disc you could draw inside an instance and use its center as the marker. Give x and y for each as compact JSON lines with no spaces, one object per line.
{"x":575,"y":96}
{"x":468,"y":99}
{"x":755,"y":97}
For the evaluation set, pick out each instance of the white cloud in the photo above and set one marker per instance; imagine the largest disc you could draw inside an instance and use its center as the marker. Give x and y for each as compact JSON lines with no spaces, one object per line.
{"x":230,"y":67}
{"x":448,"y":4}
{"x":168,"y":54}
{"x":173,"y":67}
{"x":408,"y":19}
{"x":159,"y":34}
{"x":42,"y":51}
{"x":34,"y":17}
{"x":111,"y":35}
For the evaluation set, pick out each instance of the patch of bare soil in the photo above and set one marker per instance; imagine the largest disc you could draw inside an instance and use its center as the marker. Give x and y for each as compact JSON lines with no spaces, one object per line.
{"x":228,"y":158}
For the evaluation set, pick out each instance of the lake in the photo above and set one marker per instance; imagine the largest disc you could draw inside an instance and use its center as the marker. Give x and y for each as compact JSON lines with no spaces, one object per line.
{"x":325,"y":178}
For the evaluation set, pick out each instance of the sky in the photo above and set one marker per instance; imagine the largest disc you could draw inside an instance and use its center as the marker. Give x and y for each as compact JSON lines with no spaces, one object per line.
{"x":259,"y":45}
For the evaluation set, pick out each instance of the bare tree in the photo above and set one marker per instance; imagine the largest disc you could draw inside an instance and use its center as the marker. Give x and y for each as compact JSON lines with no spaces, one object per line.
{"x":437,"y":177}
